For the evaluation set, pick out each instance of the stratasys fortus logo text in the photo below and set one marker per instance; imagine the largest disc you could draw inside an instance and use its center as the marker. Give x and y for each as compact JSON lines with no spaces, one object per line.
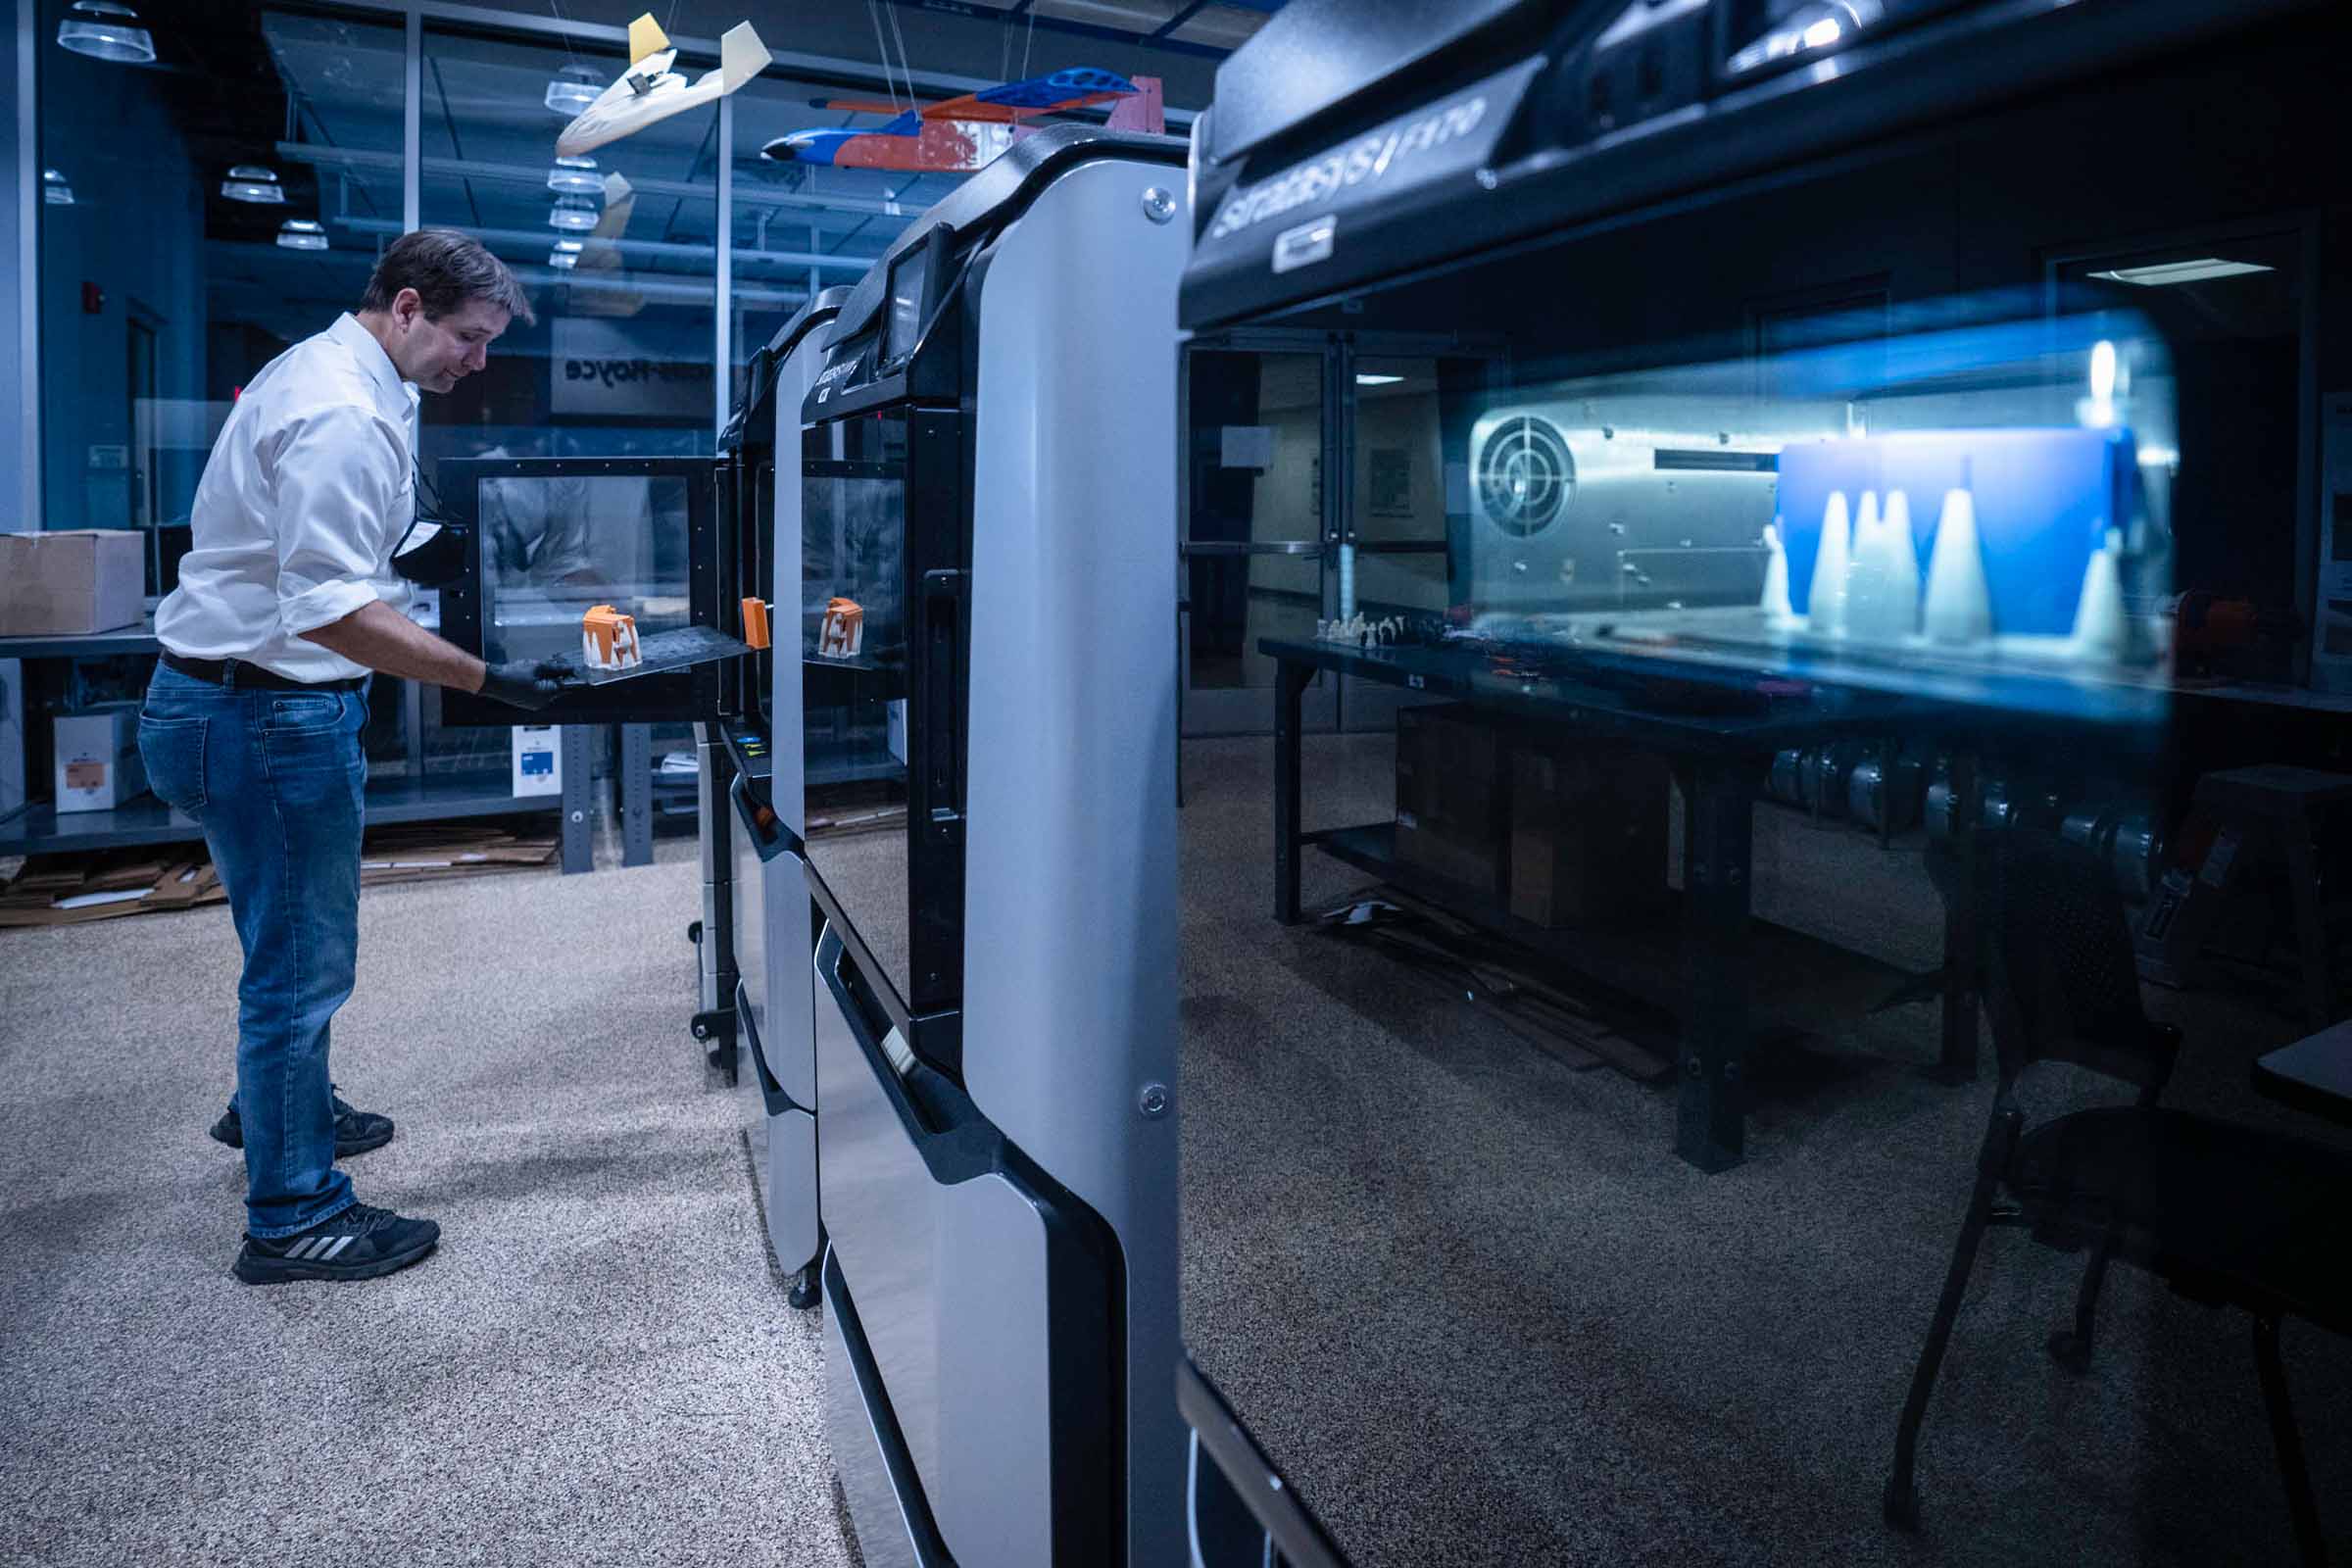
{"x":1368,"y":157}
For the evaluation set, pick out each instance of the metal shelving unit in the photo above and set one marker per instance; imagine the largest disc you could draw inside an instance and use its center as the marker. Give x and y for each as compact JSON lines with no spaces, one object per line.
{"x":40,"y":829}
{"x":413,"y":797}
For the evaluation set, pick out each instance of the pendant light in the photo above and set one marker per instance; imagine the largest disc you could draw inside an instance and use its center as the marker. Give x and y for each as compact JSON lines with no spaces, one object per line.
{"x":573,"y":90}
{"x":575,"y":214}
{"x":54,"y":189}
{"x":301,"y":234}
{"x":574,"y":177}
{"x":104,"y":30}
{"x":251,"y":182}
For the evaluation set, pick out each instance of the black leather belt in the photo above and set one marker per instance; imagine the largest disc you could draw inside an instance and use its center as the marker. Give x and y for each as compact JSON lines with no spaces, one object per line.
{"x":236,"y":673}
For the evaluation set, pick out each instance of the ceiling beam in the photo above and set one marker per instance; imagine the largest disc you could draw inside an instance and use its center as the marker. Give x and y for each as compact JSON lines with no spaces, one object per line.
{"x":649,"y":248}
{"x":321,"y":155}
{"x":700,"y":51}
{"x":1082,"y":29}
{"x":822,"y":69}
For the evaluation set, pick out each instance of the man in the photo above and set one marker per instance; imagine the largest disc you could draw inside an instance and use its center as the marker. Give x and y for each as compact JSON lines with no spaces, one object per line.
{"x":287,"y":600}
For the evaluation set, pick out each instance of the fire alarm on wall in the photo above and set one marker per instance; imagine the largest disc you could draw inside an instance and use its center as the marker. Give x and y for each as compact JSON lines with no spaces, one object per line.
{"x":93,"y":300}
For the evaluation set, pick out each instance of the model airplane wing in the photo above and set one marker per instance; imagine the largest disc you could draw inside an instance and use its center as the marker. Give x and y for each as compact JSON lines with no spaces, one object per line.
{"x":650,"y":91}
{"x":950,"y":136}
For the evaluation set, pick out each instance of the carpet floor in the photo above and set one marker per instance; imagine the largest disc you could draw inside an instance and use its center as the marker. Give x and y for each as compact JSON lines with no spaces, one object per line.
{"x":1465,"y":1296}
{"x":597,"y":1366}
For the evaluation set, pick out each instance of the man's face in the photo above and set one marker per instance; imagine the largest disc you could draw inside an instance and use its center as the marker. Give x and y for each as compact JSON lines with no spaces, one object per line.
{"x":437,"y":355}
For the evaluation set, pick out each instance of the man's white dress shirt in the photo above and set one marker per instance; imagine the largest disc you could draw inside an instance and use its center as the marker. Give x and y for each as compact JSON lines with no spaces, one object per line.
{"x":309,"y":488}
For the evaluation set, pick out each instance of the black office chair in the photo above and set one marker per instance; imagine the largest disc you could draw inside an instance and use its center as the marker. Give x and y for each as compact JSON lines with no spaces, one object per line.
{"x":2225,"y":1214}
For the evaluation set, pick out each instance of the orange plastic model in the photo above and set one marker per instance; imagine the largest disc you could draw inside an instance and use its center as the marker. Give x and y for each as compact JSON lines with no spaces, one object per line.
{"x":843,"y":635}
{"x":755,"y":622}
{"x":608,"y":639}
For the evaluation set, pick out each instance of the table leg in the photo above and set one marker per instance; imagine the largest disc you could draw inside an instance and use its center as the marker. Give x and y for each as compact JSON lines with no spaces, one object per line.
{"x":579,"y":835}
{"x":2311,"y":930}
{"x":1718,"y":863}
{"x":1291,"y":681}
{"x":1957,"y":1062}
{"x":637,"y":795}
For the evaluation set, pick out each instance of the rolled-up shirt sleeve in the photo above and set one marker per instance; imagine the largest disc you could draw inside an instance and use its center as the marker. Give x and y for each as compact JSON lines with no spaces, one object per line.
{"x":340,"y":473}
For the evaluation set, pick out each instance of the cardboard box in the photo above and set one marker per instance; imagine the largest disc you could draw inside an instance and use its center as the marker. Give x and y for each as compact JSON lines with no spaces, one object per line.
{"x":98,"y":765}
{"x":72,"y":581}
{"x":1449,"y":817}
{"x":1588,"y":835}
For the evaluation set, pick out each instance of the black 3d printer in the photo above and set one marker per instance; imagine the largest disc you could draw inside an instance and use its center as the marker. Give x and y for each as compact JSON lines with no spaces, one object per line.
{"x":2040,"y":272}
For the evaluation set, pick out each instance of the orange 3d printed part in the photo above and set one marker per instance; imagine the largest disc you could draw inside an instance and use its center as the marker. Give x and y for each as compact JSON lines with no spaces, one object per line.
{"x":843,"y":635}
{"x":608,"y":639}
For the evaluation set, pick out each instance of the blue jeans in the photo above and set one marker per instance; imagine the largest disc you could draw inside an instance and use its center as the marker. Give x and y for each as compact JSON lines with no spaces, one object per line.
{"x":279,"y":780}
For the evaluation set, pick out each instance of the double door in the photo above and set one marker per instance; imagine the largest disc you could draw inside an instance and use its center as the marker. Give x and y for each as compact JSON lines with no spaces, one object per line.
{"x":1321,"y":481}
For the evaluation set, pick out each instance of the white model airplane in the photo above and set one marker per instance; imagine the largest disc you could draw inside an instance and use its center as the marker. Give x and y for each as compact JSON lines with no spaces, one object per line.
{"x":649,"y":90}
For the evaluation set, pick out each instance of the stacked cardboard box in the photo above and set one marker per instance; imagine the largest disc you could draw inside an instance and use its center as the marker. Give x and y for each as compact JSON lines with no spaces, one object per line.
{"x":72,"y":888}
{"x":1558,"y":830}
{"x":1449,"y":797}
{"x":429,"y":851}
{"x":1587,"y":834}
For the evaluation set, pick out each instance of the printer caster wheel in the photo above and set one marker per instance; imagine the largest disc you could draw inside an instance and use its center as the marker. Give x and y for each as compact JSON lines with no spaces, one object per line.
{"x":717,"y":1031}
{"x":806,"y":1290}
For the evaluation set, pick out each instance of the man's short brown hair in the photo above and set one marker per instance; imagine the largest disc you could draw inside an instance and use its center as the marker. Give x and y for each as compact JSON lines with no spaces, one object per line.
{"x":446,"y":269}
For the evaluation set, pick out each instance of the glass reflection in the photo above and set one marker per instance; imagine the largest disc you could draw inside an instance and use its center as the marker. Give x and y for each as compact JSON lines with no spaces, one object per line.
{"x":852,"y":641}
{"x":1974,"y":499}
{"x":554,"y":547}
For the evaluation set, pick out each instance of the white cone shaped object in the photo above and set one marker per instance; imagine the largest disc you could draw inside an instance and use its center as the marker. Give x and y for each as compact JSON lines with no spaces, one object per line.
{"x":1825,"y":605}
{"x":1774,"y":602}
{"x":1868,"y":580}
{"x":1959,"y":603}
{"x":1902,"y":565}
{"x":2101,"y":631}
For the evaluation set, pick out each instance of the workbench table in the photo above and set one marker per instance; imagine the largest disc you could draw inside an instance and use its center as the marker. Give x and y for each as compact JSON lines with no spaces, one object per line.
{"x":1722,"y":969}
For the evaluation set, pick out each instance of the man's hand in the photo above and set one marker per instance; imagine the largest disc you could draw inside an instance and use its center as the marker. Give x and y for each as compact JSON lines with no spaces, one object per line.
{"x":530,"y":683}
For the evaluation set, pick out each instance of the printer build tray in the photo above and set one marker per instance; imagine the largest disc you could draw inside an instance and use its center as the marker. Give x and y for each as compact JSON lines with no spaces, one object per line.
{"x":675,"y":649}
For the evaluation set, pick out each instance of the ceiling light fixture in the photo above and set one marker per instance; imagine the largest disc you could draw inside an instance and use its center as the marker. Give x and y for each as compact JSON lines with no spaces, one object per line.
{"x":570,"y":245}
{"x":2196,"y":271}
{"x":301,"y":234}
{"x":54,"y":189}
{"x":577,"y":213}
{"x":106,"y":31}
{"x":1374,"y":378}
{"x":251,"y":182}
{"x":562,"y":261}
{"x":573,"y":89}
{"x":574,"y":177}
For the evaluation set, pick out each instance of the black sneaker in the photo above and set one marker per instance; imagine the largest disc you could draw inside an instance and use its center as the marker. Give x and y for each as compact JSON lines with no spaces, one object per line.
{"x":358,"y":1243}
{"x":356,"y":1131}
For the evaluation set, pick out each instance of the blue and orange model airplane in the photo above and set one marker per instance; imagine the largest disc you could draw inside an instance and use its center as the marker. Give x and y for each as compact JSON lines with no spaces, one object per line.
{"x":955,"y":136}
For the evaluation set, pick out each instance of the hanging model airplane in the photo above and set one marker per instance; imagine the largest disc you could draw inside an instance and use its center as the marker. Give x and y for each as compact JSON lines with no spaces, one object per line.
{"x":952,"y":137}
{"x":649,"y":90}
